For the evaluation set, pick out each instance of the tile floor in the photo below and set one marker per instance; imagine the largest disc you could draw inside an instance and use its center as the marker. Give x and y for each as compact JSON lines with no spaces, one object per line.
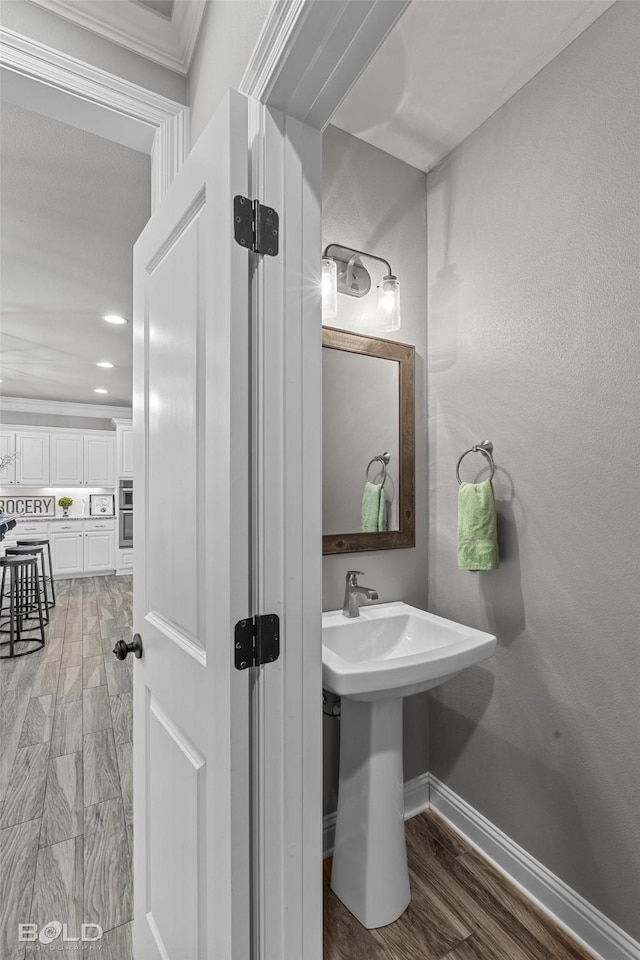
{"x":66,"y":814}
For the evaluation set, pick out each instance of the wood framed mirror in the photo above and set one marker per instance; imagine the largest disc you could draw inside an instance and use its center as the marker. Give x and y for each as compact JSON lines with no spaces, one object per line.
{"x":368,"y":435}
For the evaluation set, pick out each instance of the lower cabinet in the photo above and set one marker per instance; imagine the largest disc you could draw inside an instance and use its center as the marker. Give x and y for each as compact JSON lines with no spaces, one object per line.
{"x":67,"y":553}
{"x":99,"y":551}
{"x":77,"y":546}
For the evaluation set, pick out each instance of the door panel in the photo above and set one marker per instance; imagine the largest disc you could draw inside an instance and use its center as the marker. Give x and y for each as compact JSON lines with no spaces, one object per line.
{"x":176,"y":454}
{"x":192,"y":561}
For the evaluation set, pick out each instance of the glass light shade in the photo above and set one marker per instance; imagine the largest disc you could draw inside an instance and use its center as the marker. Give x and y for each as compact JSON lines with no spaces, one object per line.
{"x":329,"y":289}
{"x":389,"y":304}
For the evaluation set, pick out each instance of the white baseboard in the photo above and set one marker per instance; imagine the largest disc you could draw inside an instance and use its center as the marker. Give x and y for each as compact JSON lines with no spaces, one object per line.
{"x":599,"y":935}
{"x":603,"y":938}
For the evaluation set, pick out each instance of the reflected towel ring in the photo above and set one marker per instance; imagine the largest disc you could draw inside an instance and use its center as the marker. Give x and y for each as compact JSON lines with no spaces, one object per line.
{"x":383,"y":458}
{"x":485,"y":447}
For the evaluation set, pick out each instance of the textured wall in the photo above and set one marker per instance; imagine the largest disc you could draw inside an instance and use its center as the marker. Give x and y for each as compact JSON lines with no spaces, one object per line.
{"x":373,"y":202}
{"x":228,"y":34}
{"x":534,"y":343}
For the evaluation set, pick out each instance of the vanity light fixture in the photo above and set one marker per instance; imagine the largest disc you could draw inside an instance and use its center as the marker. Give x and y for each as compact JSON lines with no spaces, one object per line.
{"x":100,"y":390}
{"x":114,"y":318}
{"x":343,"y":272}
{"x":105,"y":364}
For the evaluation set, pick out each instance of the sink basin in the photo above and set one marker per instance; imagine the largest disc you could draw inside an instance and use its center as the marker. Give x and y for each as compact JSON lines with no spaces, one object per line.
{"x":393,"y":650}
{"x":390,"y":651}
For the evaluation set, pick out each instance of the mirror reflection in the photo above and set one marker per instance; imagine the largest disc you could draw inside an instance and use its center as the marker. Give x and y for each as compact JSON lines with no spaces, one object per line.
{"x":360,"y":423}
{"x":368,"y":441}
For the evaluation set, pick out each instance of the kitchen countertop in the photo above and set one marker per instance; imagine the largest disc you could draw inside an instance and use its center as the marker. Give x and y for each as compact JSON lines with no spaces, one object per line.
{"x":30,"y":519}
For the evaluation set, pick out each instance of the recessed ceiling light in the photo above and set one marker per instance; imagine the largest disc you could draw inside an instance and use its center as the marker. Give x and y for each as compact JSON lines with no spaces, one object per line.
{"x":100,"y":390}
{"x":105,"y":364}
{"x":114,"y":318}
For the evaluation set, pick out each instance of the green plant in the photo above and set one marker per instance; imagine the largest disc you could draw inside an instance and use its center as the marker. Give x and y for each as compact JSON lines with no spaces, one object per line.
{"x":65,"y":502}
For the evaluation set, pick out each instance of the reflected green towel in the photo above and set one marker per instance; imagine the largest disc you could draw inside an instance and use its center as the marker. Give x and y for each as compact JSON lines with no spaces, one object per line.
{"x":477,"y":528}
{"x":374,"y":509}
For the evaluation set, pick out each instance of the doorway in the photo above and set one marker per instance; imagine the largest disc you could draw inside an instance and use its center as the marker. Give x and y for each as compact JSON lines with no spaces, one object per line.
{"x":72,"y":205}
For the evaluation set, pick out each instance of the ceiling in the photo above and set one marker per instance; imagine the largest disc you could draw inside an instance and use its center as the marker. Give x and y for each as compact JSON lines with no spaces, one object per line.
{"x":72,"y":206}
{"x":449,"y":64}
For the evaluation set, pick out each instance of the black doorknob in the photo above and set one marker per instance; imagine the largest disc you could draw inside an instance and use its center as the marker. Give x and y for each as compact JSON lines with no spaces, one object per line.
{"x":122,"y":648}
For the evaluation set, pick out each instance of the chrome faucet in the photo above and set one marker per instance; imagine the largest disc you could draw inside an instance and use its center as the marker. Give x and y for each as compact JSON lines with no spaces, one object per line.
{"x":354,"y":594}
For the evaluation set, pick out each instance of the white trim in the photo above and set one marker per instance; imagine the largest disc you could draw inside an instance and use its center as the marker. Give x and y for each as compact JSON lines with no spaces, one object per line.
{"x":165,"y":124}
{"x":169,"y":42}
{"x":63,"y":408}
{"x":310,"y":53}
{"x":603,"y":938}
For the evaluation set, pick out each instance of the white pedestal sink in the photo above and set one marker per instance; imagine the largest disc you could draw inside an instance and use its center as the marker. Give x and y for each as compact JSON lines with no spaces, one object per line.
{"x":389,"y":652}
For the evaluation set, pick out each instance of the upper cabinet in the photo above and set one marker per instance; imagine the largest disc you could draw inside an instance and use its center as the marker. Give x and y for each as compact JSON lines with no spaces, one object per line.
{"x":7,"y":447}
{"x":124,"y":444}
{"x":59,"y":459}
{"x":67,"y":459}
{"x":99,"y":461}
{"x":30,"y":467}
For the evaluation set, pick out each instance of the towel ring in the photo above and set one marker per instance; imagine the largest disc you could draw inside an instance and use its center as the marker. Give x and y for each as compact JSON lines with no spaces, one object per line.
{"x":485,"y":447}
{"x":383,"y":458}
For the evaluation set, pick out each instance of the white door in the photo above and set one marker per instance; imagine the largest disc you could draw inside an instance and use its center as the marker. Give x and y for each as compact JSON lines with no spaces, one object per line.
{"x":192,"y":559}
{"x":66,"y":553}
{"x":7,"y":447}
{"x":99,"y":461}
{"x":67,"y":452}
{"x":99,"y":551}
{"x":32,"y":464}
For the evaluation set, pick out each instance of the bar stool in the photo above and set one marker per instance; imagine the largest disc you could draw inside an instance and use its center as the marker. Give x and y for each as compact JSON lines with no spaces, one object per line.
{"x":24,"y":589}
{"x":48,"y":579}
{"x":38,"y":553}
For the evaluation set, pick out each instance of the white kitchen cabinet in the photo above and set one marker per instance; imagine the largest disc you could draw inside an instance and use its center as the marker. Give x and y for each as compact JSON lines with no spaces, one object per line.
{"x":32,"y":463}
{"x":7,"y":446}
{"x":99,"y":461}
{"x":67,"y":553}
{"x":124,"y":434}
{"x":99,"y":552}
{"x":67,"y":459}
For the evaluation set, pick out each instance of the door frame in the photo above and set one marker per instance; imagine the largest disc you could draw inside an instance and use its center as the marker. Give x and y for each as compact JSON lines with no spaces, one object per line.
{"x":307,"y":57}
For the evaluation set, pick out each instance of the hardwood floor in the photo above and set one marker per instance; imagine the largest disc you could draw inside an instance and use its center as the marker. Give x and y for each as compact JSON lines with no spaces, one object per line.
{"x":66,"y":728}
{"x":461,"y":909}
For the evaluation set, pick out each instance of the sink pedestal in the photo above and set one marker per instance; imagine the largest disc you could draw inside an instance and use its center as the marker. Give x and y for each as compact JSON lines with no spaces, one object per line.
{"x":370,"y":873}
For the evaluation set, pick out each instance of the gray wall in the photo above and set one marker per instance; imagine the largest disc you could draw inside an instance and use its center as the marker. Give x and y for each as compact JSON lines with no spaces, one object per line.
{"x":45,"y":27}
{"x":54,"y":420}
{"x":227,"y":37}
{"x":374,"y":202}
{"x":534,"y":343}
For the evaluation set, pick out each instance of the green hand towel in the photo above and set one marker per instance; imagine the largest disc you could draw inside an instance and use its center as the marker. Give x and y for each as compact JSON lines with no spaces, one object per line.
{"x":477,"y":528}
{"x":374,"y":514}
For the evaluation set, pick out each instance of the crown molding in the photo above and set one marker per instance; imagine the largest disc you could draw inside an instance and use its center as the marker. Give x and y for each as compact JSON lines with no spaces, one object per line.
{"x":168,"y":42}
{"x":62,"y":408}
{"x":100,"y":102}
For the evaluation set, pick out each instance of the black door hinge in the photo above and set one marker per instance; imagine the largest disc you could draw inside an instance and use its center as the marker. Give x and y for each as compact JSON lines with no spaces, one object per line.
{"x":256,"y":641}
{"x":255,"y":226}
